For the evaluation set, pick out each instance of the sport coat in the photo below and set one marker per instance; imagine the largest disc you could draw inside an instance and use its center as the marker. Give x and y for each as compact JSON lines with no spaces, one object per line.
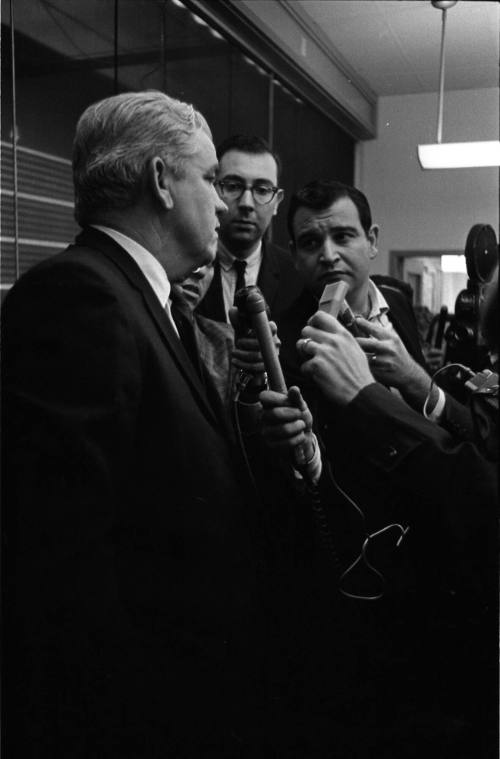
{"x":333,"y":427}
{"x":132,"y":565}
{"x":437,"y":585}
{"x":278,"y":280}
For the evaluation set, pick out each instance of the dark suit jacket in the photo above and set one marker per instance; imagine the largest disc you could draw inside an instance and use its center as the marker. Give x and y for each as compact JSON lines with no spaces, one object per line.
{"x":132,"y":558}
{"x":278,"y":281}
{"x":433,"y":629}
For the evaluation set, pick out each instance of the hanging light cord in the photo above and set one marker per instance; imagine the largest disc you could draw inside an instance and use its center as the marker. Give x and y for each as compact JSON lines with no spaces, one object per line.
{"x":14,"y":141}
{"x":441,"y":81}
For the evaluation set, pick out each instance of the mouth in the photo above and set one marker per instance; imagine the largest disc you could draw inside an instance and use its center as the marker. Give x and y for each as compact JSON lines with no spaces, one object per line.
{"x":244,"y":224}
{"x":332,"y":276}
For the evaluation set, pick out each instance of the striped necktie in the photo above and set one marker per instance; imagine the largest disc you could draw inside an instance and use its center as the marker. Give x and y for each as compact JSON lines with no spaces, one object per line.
{"x":239,"y":267}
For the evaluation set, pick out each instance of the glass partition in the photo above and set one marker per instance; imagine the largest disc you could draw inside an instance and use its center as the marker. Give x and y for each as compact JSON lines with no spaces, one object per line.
{"x":68,"y":54}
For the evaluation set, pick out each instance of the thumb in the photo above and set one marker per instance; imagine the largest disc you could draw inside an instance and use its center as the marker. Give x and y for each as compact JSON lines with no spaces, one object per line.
{"x":295,"y":398}
{"x":233,"y":317}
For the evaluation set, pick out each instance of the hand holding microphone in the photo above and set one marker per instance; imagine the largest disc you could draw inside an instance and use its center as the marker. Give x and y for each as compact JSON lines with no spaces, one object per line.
{"x":252,"y":316}
{"x":287,"y":421}
{"x":247,"y":354}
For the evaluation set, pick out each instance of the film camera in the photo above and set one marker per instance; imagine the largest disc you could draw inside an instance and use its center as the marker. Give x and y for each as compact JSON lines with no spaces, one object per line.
{"x":464,"y":342}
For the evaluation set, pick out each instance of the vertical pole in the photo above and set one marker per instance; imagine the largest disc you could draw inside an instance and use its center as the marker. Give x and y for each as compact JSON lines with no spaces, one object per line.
{"x":270,"y":131}
{"x":441,"y":81}
{"x":116,"y":49}
{"x":270,"y":111}
{"x":14,"y":141}
{"x":164,"y":46}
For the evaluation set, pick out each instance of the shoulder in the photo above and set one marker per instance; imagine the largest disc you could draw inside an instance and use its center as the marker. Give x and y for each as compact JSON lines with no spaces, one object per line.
{"x":66,"y":289}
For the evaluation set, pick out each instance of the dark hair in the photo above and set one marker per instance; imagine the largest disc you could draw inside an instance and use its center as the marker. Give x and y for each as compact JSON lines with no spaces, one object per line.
{"x":320,"y":194}
{"x":246,"y":143}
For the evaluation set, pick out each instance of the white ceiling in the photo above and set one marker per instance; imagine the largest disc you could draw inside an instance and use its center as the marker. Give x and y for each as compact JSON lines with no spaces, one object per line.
{"x":393,"y":45}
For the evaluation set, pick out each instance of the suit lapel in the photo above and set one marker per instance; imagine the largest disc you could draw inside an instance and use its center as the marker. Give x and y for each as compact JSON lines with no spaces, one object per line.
{"x":400,"y":319}
{"x":125,"y":263}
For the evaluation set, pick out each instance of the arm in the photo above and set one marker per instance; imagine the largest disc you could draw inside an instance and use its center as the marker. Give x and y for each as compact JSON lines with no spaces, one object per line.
{"x":71,"y":386}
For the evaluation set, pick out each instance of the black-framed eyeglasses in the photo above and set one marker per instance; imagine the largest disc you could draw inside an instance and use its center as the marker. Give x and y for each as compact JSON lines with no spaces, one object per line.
{"x":233,"y":189}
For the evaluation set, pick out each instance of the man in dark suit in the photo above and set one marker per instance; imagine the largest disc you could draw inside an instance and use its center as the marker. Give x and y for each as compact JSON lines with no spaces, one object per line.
{"x":248,"y":183}
{"x":132,"y":542}
{"x":398,"y":470}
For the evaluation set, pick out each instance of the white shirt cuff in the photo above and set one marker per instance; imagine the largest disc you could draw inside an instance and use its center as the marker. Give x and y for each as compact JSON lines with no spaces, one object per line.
{"x":434,"y":414}
{"x":314,"y":466}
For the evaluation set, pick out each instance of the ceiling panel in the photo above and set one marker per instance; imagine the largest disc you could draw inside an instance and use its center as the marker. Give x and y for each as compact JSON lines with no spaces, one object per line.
{"x":393,"y":45}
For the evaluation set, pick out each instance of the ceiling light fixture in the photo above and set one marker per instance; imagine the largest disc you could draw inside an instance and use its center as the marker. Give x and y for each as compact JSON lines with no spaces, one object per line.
{"x":454,"y":155}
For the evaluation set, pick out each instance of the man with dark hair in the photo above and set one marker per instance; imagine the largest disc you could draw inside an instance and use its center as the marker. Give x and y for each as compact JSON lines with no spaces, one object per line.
{"x":333,"y":238}
{"x":387,"y":471}
{"x":248,"y":183}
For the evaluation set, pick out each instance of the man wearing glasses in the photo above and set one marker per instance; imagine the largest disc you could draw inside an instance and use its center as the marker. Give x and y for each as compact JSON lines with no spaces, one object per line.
{"x":248,"y":184}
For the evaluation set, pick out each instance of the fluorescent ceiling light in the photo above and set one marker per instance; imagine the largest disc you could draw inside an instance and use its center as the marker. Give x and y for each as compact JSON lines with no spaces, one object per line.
{"x":454,"y":155}
{"x":459,"y":155}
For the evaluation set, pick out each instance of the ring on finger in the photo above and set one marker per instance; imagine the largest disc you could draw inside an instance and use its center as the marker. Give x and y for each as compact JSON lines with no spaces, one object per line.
{"x":305,"y":341}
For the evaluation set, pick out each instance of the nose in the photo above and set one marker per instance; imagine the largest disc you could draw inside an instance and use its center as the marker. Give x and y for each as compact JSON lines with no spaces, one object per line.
{"x":246,"y":199}
{"x":329,"y":252}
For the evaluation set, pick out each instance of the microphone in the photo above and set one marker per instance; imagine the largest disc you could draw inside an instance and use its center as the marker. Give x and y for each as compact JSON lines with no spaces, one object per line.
{"x":333,"y":302}
{"x":252,"y":306}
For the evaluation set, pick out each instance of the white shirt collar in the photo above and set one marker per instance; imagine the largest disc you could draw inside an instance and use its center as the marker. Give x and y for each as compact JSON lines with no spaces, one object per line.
{"x":227,"y":259}
{"x":149,"y":265}
{"x":378,"y":304}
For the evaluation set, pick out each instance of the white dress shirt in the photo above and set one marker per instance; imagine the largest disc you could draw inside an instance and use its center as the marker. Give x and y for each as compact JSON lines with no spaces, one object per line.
{"x":228,"y":273}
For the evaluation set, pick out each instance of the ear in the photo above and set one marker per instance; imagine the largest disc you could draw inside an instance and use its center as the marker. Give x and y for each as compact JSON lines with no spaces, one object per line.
{"x":373,"y":238}
{"x":160,"y":181}
{"x":279,"y":197}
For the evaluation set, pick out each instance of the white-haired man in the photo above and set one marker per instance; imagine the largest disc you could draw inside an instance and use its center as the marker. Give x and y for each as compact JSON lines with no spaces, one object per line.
{"x":132,"y":565}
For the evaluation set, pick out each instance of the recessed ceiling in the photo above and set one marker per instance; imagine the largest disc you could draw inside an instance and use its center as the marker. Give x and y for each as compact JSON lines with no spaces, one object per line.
{"x":390,"y":47}
{"x":393,"y":45}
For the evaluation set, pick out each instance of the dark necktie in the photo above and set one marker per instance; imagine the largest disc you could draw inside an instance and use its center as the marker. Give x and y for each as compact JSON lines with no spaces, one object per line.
{"x":240,"y":267}
{"x":183,"y":318}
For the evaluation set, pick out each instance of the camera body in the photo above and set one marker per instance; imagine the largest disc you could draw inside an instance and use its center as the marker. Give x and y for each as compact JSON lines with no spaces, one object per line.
{"x":464,"y":342}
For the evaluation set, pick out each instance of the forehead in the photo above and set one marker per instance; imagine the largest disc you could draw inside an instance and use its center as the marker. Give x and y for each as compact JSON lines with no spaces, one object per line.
{"x":249,"y":166}
{"x":341,"y":213}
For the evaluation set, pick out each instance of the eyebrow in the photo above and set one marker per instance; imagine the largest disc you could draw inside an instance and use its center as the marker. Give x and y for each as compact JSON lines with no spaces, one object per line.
{"x":254,"y":181}
{"x":314,"y":230}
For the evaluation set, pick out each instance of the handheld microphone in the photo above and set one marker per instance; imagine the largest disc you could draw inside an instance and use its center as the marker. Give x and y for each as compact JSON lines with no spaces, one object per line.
{"x":252,"y":306}
{"x":333,"y":302}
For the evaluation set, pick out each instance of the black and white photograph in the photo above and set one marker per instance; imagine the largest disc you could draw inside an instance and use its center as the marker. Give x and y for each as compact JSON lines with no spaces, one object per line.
{"x":249,"y":379}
